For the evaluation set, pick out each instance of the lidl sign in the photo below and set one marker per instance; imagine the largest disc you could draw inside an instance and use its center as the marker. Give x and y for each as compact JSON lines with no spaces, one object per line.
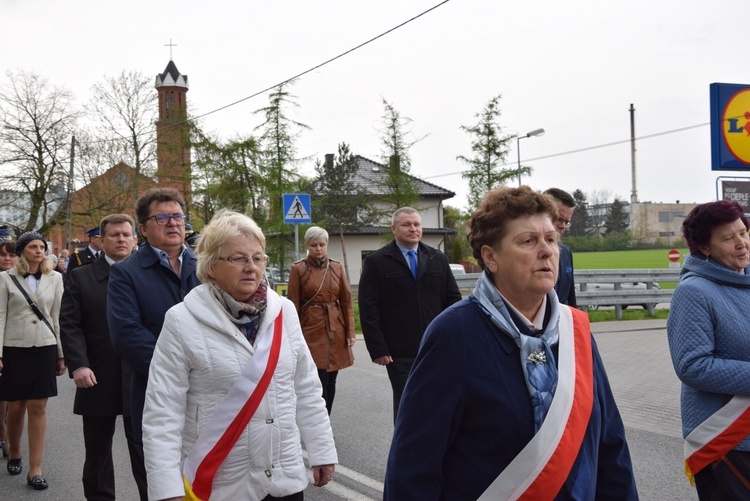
{"x":730,"y":126}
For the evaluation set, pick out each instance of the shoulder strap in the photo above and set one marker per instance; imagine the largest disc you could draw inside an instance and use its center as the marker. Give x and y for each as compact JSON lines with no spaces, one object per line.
{"x":34,"y":307}
{"x":322,"y":281}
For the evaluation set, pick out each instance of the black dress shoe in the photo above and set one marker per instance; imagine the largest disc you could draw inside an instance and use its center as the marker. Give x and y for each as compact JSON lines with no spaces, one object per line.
{"x":37,"y":483}
{"x":14,"y":466}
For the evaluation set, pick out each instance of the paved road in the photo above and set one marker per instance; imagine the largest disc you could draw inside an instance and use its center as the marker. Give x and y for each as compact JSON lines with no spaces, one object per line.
{"x":635,"y":354}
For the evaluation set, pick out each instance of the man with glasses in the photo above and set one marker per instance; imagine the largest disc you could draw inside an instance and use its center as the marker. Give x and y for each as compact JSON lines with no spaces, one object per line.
{"x":565,"y":286}
{"x":148,"y":283}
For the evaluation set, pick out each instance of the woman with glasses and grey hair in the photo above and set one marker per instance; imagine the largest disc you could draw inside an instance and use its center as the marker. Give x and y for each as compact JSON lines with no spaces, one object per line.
{"x":319,"y":289}
{"x":232,"y":388}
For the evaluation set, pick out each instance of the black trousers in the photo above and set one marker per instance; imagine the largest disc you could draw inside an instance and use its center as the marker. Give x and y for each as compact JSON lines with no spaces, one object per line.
{"x":98,"y":468}
{"x":328,"y":381}
{"x":398,"y":372}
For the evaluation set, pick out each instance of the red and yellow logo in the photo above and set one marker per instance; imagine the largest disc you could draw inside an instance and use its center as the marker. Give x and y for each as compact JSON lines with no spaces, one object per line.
{"x":736,"y":127}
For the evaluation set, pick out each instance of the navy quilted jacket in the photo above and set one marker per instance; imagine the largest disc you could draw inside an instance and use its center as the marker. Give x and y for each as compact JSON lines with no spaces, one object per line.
{"x":709,"y":339}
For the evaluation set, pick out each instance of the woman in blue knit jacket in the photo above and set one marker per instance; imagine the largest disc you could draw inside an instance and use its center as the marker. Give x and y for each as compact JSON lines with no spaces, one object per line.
{"x":709,"y":339}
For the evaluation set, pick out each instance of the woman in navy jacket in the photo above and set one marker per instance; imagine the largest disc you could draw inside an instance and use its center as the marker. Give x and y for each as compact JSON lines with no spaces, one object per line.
{"x":487,"y":395}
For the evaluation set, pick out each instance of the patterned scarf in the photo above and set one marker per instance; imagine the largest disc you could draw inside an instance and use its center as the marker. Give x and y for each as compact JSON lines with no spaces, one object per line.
{"x":246,"y":314}
{"x":540,"y":369}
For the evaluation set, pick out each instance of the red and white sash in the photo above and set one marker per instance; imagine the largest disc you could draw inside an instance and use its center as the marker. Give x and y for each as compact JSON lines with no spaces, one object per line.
{"x":717,"y":435}
{"x":231,"y":417}
{"x":541,"y":468}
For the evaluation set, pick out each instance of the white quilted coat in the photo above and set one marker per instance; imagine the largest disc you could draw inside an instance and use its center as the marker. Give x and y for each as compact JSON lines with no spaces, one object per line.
{"x":199,"y":354}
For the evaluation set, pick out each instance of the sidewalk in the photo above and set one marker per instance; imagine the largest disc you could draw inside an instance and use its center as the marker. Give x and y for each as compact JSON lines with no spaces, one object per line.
{"x":646,"y":388}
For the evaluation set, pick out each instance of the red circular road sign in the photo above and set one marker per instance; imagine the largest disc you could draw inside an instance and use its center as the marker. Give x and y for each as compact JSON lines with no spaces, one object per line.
{"x":674,"y":255}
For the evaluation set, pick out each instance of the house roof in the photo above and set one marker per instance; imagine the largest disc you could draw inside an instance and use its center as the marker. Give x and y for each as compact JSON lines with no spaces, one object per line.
{"x":381,"y":230}
{"x":171,"y":77}
{"x":372,"y":178}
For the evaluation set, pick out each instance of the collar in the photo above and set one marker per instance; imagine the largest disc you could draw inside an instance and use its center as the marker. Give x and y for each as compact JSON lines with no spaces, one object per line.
{"x":405,"y":251}
{"x":533,"y":325}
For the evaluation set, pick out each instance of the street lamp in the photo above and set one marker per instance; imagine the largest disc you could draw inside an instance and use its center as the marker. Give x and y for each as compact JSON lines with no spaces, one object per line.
{"x":535,"y":132}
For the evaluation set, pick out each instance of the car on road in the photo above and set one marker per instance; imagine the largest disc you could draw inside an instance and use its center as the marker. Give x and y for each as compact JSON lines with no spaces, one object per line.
{"x":457,"y":269}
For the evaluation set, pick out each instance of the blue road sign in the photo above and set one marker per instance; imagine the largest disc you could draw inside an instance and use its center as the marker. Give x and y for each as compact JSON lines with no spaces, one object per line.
{"x":297,"y":208}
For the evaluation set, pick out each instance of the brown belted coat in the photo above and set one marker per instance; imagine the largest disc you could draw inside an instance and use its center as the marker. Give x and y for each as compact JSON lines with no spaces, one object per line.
{"x":321,"y":293}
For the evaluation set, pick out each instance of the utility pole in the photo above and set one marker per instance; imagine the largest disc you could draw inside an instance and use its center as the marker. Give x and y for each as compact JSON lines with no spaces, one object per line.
{"x":633,"y":189}
{"x":70,"y":191}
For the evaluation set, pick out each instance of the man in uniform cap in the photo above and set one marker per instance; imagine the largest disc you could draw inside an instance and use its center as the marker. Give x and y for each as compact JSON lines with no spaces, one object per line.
{"x":90,"y":253}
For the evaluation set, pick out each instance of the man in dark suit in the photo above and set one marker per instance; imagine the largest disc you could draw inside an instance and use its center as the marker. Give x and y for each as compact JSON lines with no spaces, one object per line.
{"x":403,"y":286}
{"x":89,"y":254}
{"x":94,"y":366}
{"x":144,"y":286}
{"x":565,"y":286}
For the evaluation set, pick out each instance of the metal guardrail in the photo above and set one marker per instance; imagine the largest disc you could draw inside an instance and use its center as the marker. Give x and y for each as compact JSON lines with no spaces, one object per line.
{"x":617,"y":296}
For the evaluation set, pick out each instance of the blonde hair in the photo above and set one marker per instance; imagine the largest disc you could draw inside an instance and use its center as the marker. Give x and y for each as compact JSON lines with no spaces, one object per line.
{"x":22,"y":266}
{"x":224,"y":226}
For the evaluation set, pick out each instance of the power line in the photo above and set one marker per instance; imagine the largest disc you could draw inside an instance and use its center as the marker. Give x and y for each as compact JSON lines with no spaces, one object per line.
{"x":298,"y":75}
{"x":588,"y":148}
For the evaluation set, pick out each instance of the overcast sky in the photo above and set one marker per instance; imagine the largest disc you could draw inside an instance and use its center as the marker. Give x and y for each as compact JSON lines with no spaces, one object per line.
{"x":570,"y":67}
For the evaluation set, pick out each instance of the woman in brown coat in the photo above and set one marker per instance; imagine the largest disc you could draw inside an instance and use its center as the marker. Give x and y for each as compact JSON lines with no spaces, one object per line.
{"x":319,"y":289}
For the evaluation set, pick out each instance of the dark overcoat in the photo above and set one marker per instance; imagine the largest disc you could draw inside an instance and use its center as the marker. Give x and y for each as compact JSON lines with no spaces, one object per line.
{"x":394,"y":310}
{"x":85,"y":338}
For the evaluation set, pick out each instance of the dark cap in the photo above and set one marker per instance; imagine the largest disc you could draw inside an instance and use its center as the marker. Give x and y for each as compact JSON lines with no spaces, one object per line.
{"x":93,"y":232}
{"x":26,"y":238}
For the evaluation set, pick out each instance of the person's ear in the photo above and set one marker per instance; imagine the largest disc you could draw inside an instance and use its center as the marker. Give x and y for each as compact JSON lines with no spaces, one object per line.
{"x":489,"y":256}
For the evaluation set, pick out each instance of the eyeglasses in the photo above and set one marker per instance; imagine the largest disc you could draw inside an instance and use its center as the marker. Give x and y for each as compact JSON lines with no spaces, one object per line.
{"x":162,"y":219}
{"x":566,"y":222}
{"x":242,"y":261}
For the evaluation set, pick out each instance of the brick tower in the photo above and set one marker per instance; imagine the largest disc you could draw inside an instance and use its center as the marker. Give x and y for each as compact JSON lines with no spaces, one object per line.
{"x":173,"y":132}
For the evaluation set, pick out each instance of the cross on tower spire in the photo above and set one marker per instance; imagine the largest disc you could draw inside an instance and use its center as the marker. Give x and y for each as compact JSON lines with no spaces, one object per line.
{"x":170,"y":45}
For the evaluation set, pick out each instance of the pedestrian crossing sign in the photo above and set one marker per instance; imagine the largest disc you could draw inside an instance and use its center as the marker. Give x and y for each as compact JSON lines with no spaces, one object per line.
{"x":297,"y":208}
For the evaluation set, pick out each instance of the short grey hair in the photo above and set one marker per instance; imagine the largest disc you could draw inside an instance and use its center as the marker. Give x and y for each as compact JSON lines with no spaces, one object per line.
{"x":225,"y":225}
{"x":403,"y":210}
{"x":315,"y":233}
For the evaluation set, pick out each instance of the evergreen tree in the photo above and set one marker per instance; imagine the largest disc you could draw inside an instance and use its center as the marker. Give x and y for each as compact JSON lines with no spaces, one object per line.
{"x":617,"y":219}
{"x":490,"y":150}
{"x":580,"y":222}
{"x":229,"y":174}
{"x":278,"y":137}
{"x":339,"y":201}
{"x":399,"y":185}
{"x":456,"y":246}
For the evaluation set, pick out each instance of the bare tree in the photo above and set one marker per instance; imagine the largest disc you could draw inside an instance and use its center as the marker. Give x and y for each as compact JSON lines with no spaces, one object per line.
{"x":125,"y":108}
{"x":599,"y":201}
{"x":36,"y":123}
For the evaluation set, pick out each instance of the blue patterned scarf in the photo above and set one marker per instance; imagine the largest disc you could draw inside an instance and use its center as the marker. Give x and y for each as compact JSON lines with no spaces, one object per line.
{"x":540,"y":369}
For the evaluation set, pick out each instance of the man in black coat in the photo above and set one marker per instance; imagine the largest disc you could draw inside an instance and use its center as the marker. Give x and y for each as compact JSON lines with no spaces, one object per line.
{"x":565,"y":286}
{"x":403,"y":286}
{"x":100,"y":377}
{"x":87,"y":255}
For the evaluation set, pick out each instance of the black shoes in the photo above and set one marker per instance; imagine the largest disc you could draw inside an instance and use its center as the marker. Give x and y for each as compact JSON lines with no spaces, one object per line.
{"x":37,"y":483}
{"x":14,"y":466}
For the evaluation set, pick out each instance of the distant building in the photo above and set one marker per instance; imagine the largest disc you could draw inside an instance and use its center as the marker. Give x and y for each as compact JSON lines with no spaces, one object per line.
{"x":360,"y":242}
{"x":173,"y":132}
{"x":117,"y":189}
{"x":658,"y":221}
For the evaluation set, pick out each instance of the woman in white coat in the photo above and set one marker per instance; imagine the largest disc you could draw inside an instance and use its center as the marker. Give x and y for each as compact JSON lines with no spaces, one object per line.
{"x":30,"y":350}
{"x":232,"y":387}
